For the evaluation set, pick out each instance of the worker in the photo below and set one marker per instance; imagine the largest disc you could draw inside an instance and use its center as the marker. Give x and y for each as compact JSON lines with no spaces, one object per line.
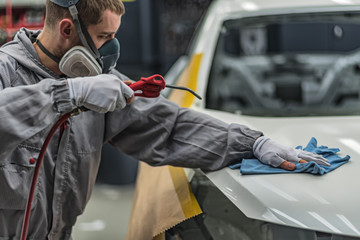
{"x":66,"y":65}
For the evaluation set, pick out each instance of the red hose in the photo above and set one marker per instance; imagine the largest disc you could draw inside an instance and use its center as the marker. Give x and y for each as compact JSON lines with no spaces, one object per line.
{"x":25,"y":225}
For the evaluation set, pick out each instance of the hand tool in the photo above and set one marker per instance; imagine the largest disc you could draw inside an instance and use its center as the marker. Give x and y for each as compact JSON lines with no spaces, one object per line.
{"x":151,"y":87}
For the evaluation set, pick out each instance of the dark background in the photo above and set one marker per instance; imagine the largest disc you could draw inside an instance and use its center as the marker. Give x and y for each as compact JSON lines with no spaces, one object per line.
{"x":154,"y":33}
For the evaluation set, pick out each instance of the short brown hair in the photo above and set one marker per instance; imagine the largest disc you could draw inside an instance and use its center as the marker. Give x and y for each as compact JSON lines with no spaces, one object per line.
{"x":90,"y":11}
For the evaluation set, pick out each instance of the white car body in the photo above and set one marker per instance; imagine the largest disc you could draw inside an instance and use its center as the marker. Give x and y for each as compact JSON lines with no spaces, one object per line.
{"x":325,"y":207}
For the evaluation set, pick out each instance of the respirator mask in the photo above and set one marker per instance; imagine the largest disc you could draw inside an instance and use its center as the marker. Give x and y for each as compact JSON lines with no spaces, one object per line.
{"x":79,"y":62}
{"x":86,"y":60}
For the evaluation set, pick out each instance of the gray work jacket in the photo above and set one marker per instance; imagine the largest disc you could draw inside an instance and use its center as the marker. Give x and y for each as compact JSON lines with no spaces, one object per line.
{"x":155,"y":131}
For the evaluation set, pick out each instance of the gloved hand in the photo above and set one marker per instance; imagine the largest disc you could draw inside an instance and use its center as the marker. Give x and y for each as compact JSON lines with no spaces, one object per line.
{"x":274,"y":154}
{"x":101,"y":93}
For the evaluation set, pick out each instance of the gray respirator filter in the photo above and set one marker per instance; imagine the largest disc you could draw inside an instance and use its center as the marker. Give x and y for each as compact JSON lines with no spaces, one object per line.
{"x":79,"y":62}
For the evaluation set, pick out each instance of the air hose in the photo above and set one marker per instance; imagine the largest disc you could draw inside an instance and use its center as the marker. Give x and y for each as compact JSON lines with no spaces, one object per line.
{"x":40,"y":158}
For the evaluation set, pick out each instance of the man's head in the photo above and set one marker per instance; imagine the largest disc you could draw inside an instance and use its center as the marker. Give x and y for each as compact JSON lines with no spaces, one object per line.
{"x":91,"y":24}
{"x":90,"y":11}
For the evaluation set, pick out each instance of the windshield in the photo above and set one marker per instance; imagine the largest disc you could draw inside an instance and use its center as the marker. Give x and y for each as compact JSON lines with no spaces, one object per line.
{"x":287,"y":65}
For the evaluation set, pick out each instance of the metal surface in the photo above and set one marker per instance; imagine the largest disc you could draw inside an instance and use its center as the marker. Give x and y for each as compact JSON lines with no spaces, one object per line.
{"x":256,"y":5}
{"x":328,"y":203}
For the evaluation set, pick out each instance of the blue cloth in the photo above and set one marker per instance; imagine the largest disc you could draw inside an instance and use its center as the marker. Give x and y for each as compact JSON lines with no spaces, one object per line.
{"x":254,"y":166}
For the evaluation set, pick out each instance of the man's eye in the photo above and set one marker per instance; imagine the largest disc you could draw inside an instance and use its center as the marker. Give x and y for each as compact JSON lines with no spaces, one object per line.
{"x":104,"y":36}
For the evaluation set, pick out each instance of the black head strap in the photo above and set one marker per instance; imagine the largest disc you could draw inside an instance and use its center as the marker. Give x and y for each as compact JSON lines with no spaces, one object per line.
{"x":44,"y":50}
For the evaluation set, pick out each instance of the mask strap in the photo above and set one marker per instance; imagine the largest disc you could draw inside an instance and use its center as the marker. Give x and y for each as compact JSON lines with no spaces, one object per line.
{"x":82,"y":31}
{"x":90,"y":41}
{"x":44,"y":50}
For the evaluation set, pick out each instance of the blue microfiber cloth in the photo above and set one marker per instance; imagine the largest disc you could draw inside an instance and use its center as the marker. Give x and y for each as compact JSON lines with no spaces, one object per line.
{"x":254,"y":166}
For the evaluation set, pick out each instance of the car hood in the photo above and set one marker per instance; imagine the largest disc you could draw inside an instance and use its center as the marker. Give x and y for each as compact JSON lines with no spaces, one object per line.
{"x":327,"y":203}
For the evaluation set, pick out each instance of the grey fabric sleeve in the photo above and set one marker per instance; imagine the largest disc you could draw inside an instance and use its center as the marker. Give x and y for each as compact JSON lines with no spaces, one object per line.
{"x":27,"y":110}
{"x":158,"y":132}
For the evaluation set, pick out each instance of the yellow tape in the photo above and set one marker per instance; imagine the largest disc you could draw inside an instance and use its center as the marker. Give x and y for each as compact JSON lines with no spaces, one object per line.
{"x":187,"y":79}
{"x":171,"y":181}
{"x":188,"y":202}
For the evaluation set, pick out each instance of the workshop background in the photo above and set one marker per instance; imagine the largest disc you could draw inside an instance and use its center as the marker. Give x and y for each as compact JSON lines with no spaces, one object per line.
{"x":153,"y":35}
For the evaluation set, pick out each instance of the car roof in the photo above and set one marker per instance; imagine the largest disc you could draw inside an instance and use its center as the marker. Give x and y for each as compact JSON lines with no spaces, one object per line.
{"x":259,"y":5}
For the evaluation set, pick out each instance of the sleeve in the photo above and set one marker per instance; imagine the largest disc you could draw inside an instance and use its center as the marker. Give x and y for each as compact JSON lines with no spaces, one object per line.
{"x":29,"y":109}
{"x":159,"y":132}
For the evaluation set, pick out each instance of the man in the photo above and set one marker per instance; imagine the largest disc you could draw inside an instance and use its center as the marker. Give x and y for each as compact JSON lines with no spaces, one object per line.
{"x":39,"y":82}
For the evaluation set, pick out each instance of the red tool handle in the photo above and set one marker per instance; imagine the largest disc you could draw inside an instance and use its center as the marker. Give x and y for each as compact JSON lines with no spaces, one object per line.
{"x":149,"y":87}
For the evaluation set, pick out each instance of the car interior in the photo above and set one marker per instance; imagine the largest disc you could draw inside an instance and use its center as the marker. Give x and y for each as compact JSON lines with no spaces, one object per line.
{"x":287,"y":65}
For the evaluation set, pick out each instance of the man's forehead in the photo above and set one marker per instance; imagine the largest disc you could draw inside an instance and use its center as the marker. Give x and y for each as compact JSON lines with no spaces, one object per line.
{"x":109,"y":24}
{"x":65,"y":3}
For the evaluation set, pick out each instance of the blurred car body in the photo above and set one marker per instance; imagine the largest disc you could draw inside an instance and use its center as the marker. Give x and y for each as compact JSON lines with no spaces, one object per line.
{"x":292,"y":70}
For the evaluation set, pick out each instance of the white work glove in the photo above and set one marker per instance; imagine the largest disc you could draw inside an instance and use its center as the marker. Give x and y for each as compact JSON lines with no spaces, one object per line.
{"x":101,"y":93}
{"x":271,"y":153}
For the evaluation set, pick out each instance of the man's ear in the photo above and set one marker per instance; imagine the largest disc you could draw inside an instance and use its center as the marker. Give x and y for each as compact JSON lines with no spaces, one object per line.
{"x":67,"y":28}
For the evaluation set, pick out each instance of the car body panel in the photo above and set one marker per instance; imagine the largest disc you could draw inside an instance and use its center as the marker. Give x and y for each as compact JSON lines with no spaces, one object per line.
{"x":328,"y":203}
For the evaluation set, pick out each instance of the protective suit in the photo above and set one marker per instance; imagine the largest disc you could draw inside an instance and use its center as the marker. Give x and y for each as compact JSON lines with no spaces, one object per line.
{"x":155,"y":131}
